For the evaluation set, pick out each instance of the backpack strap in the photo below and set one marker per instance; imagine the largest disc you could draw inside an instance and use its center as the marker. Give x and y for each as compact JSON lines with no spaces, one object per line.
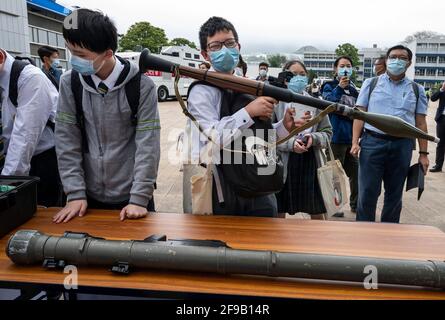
{"x":17,"y":67}
{"x":133,"y":93}
{"x":372,"y":86}
{"x":16,"y":71}
{"x":77,"y":89}
{"x":52,"y":79}
{"x":416,"y":92}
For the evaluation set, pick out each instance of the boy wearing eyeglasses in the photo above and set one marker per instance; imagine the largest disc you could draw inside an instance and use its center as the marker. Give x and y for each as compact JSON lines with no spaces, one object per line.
{"x":220,"y":46}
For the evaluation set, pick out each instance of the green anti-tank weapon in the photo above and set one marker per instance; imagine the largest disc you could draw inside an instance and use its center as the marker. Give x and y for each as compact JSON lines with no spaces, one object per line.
{"x":33,"y":247}
{"x":389,"y":124}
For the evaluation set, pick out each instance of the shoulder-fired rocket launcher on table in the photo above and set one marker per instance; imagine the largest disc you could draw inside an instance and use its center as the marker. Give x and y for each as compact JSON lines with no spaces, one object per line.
{"x":33,"y":247}
{"x":389,"y":124}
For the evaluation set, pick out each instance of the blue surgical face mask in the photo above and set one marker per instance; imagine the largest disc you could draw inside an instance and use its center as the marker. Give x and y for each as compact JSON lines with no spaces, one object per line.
{"x":225,"y":60}
{"x":83,"y":66}
{"x":344,"y":72}
{"x":298,"y":83}
{"x":55,"y":64}
{"x":396,"y":67}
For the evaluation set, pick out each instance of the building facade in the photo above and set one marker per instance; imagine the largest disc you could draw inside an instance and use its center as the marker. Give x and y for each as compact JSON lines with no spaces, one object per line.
{"x":368,"y":56}
{"x":322,"y":62}
{"x":26,"y":25}
{"x":14,"y":33}
{"x":428,"y":68}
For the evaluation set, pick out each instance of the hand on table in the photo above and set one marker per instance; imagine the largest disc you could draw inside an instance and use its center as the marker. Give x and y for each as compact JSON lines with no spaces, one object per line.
{"x":71,"y":210}
{"x":133,"y":212}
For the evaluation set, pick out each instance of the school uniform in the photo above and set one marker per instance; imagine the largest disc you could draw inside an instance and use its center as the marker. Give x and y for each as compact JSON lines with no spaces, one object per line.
{"x":122,"y":161}
{"x":205,"y":104}
{"x":28,"y":141}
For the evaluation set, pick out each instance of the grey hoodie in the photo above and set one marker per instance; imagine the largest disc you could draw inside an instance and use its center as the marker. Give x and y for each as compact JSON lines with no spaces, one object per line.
{"x":123,"y":160}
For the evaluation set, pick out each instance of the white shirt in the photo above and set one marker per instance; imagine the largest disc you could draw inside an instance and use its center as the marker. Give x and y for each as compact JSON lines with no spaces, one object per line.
{"x":24,"y":128}
{"x":111,"y":80}
{"x":204,"y":103}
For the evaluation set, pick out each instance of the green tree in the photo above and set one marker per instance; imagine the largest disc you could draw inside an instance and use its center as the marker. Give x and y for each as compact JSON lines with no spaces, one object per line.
{"x":182,"y":42}
{"x":143,"y":34}
{"x":276,"y":60}
{"x":350,"y":50}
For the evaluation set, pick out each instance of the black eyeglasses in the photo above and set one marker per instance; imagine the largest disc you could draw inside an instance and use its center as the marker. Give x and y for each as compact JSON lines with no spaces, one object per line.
{"x":217,"y":45}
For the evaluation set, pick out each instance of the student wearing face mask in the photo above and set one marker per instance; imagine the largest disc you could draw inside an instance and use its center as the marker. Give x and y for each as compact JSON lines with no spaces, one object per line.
{"x":107,"y":126}
{"x":384,"y":158}
{"x":28,"y":103}
{"x":302,"y":154}
{"x":379,"y":66}
{"x":342,"y":90}
{"x":223,"y":115}
{"x":263,"y":72}
{"x":50,"y":64}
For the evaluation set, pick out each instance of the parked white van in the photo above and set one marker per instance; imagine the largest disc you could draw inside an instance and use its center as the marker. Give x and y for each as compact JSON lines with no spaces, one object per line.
{"x":164,"y":81}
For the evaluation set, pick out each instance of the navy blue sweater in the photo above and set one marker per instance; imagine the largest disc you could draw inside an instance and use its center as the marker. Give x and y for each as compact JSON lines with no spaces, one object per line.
{"x":342,"y":126}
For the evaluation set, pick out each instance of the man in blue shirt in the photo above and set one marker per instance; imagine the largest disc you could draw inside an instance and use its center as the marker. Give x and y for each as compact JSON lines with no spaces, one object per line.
{"x":383,"y":157}
{"x":50,"y":64}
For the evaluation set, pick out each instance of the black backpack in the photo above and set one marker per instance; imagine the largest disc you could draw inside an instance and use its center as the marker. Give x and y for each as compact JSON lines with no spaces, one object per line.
{"x":132,"y":91}
{"x":244,"y":178}
{"x":17,"y":67}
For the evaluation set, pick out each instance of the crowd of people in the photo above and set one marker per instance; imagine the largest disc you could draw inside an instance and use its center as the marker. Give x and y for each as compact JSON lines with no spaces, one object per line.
{"x":92,"y":134}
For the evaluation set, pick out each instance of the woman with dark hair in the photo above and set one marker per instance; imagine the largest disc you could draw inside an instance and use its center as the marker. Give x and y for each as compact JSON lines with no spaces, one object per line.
{"x":342,"y":90}
{"x":302,"y":155}
{"x":241,"y":68}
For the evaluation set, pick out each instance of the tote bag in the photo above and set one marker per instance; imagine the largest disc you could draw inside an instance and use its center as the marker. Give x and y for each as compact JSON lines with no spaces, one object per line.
{"x":333,"y":184}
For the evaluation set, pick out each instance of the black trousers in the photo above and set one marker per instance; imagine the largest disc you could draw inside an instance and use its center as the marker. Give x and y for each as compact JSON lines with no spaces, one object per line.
{"x":440,"y":152}
{"x":49,"y":189}
{"x":94,"y":204}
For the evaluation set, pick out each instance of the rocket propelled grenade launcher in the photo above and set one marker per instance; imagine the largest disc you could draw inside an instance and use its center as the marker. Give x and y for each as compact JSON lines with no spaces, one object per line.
{"x":390,"y":125}
{"x":33,"y":247}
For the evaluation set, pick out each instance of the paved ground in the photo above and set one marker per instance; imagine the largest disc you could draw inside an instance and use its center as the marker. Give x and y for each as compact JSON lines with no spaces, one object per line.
{"x":429,"y":211}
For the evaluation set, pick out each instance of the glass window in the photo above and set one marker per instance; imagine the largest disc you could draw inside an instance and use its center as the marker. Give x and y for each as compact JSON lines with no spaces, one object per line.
{"x":197,"y":56}
{"x":192,"y":65}
{"x":441,"y":73}
{"x":60,"y":41}
{"x":43,"y":36}
{"x":35,"y":35}
{"x":175,"y":54}
{"x":188,"y":55}
{"x":420,"y":72}
{"x":52,"y":39}
{"x":431,"y":72}
{"x":432,"y":59}
{"x":441,"y":59}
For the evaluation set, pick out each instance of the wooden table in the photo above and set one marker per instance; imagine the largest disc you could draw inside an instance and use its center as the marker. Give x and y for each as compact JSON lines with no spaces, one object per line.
{"x":335,"y":238}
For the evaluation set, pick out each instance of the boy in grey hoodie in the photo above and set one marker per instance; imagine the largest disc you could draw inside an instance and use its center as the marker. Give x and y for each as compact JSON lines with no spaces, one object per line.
{"x":108,"y":159}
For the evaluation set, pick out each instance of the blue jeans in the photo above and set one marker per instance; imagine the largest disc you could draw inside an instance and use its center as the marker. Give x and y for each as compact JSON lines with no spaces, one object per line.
{"x":388,"y":162}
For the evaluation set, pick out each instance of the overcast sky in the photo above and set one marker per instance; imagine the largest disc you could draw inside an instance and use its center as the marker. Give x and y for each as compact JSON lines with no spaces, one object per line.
{"x":283,"y":25}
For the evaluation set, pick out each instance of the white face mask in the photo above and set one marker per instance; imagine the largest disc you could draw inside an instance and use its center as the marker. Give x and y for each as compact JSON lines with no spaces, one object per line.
{"x":263,"y":73}
{"x":239,"y":72}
